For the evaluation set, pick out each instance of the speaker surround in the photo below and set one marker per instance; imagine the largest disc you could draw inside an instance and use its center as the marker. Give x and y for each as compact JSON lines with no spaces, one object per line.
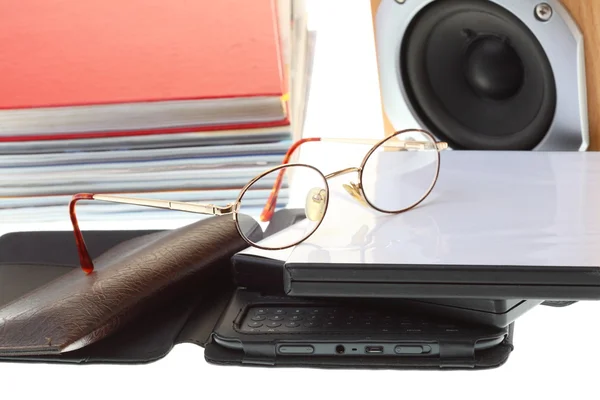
{"x":483,"y":74}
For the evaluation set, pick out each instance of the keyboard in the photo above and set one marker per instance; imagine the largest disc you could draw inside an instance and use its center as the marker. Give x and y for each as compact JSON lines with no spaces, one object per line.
{"x":337,"y":319}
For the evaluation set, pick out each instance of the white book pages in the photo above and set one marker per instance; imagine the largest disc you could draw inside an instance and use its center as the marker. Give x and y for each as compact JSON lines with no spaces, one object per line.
{"x":215,"y":153}
{"x":159,"y":141}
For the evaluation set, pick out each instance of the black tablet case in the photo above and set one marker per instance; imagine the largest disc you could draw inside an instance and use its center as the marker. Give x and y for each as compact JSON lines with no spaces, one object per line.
{"x":457,"y":349}
{"x":29,"y":259}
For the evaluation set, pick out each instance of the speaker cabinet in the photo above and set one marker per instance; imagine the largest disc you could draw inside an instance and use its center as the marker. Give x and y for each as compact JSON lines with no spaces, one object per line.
{"x":490,"y":74}
{"x":587,"y":15}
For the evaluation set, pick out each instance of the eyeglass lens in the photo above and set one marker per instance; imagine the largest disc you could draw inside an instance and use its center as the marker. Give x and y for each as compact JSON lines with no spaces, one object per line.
{"x":314,"y":192}
{"x":401,"y":171}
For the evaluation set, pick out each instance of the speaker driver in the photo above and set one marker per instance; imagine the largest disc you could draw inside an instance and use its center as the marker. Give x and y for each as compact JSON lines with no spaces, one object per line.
{"x":483,"y":74}
{"x":477,"y":76}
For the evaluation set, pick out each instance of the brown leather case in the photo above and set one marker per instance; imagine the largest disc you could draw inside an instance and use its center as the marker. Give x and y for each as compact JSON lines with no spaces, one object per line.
{"x":144,"y":273}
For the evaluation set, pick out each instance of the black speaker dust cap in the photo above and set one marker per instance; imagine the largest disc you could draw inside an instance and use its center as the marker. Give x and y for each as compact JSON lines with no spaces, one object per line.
{"x":477,"y":76}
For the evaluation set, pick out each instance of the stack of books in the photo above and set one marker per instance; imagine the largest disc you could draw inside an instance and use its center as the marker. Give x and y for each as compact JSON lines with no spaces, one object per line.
{"x":177,"y":100}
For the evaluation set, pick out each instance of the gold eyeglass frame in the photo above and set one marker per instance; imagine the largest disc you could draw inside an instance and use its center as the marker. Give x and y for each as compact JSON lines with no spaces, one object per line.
{"x":354,"y":189}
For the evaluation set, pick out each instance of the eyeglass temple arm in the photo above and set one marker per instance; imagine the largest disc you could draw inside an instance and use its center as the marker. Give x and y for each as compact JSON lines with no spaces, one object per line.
{"x":84,"y":256}
{"x":269,"y":208}
{"x":397,"y":144}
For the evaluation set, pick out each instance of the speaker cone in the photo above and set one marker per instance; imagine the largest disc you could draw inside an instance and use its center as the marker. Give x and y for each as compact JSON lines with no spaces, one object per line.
{"x":477,"y":77}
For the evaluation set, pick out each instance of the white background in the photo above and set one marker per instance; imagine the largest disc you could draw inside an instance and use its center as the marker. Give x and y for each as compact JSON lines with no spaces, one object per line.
{"x":556,"y":350}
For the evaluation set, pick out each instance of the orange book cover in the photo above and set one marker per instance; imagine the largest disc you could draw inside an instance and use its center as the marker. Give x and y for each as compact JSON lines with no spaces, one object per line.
{"x":87,"y":56}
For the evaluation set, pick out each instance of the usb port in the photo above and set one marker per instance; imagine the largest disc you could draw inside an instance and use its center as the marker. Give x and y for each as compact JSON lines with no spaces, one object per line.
{"x":374,"y":349}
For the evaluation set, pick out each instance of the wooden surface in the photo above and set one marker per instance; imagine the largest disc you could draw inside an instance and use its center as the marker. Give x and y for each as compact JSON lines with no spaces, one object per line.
{"x":587,"y":15}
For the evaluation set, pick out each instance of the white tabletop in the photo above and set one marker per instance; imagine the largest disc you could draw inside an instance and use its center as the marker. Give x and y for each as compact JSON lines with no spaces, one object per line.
{"x":555,"y":349}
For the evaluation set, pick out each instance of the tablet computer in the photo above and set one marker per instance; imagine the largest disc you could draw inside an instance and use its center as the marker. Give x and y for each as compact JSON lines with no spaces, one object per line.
{"x":497,"y":225}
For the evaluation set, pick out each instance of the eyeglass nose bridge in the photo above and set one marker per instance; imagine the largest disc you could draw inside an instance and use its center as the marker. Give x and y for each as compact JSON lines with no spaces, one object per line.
{"x":354,"y":189}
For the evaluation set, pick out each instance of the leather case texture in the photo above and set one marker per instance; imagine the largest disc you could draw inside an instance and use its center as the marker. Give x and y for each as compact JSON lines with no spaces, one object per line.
{"x":135,"y":280}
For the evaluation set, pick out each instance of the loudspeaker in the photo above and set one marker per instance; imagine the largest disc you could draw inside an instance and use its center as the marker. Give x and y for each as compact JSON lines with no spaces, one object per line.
{"x":485,"y":74}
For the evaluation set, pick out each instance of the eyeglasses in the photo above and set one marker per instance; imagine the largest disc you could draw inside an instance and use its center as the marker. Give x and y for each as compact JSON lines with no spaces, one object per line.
{"x":396,"y":174}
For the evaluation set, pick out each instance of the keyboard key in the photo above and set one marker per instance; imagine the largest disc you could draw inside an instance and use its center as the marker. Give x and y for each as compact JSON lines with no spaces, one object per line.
{"x":282,"y":319}
{"x":311,"y":324}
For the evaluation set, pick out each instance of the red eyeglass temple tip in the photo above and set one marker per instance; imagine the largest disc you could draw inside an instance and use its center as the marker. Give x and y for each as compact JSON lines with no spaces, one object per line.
{"x":84,"y":257}
{"x":268,"y":211}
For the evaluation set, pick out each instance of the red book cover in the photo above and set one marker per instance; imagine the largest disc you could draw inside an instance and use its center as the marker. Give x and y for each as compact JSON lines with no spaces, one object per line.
{"x":85,"y":57}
